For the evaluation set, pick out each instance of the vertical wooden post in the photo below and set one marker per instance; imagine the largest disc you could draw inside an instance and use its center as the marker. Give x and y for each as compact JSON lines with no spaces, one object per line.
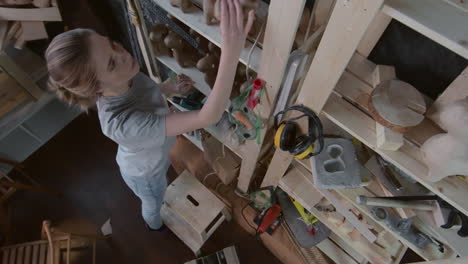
{"x":346,"y":27}
{"x":284,"y":17}
{"x":348,"y":23}
{"x":373,"y":33}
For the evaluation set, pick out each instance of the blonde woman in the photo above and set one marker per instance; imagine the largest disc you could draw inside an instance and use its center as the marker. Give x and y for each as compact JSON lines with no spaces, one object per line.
{"x":86,"y":68}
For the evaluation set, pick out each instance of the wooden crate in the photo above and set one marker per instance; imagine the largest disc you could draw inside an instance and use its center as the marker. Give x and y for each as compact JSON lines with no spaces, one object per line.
{"x":192,"y":211}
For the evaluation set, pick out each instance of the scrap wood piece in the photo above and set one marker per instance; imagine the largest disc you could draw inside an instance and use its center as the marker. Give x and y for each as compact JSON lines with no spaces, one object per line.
{"x":397,"y":105}
{"x":388,"y":139}
{"x":9,"y":65}
{"x":12,"y":31}
{"x":3,"y":33}
{"x":30,"y":14}
{"x":350,"y":217}
{"x":33,"y":30}
{"x":460,"y":4}
{"x":41,"y":3}
{"x":12,"y":94}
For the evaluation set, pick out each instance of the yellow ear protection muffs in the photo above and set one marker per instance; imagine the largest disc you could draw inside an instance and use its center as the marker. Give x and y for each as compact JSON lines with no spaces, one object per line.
{"x":302,"y":146}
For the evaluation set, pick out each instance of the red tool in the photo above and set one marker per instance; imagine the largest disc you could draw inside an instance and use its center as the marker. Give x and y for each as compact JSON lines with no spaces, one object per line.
{"x":254,"y":97}
{"x":269,"y":219}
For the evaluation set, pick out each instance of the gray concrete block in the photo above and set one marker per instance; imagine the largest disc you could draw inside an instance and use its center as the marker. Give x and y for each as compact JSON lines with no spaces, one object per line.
{"x":336,"y":167}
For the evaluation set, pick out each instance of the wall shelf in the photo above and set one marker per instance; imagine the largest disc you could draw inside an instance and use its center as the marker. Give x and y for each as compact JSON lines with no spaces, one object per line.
{"x":436,"y":19}
{"x":196,"y":21}
{"x":296,"y":185}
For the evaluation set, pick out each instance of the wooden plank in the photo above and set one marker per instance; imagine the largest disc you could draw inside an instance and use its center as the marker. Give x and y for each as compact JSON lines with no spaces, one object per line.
{"x":278,"y":166}
{"x":335,"y":253}
{"x":388,"y":139}
{"x":429,"y":253}
{"x":347,"y":248}
{"x":460,"y":4}
{"x":350,"y":217}
{"x":20,"y":256}
{"x":27,"y":255}
{"x":455,"y":91}
{"x":408,"y":158}
{"x":401,"y":254}
{"x":279,"y":38}
{"x":197,"y":76}
{"x":463,"y":260}
{"x":12,"y":256}
{"x":347,"y":24}
{"x":5,"y":255}
{"x":33,"y":30}
{"x":11,"y":94}
{"x":20,"y":76}
{"x":370,"y":251}
{"x":3,"y":33}
{"x":35,"y":254}
{"x":42,"y":253}
{"x":373,"y":34}
{"x":30,"y":14}
{"x":447,"y":26}
{"x":303,"y":194}
{"x":196,"y":21}
{"x":323,"y":10}
{"x":145,"y":44}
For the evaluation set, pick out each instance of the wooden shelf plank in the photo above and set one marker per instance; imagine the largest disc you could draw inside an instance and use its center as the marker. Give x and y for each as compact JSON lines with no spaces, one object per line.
{"x":370,"y":251}
{"x":408,"y":158}
{"x":429,"y":253}
{"x":197,"y":76}
{"x":436,"y":19}
{"x":196,"y":21}
{"x":335,"y":253}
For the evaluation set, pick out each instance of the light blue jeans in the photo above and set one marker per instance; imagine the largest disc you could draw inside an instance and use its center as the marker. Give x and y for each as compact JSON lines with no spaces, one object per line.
{"x":151,"y":192}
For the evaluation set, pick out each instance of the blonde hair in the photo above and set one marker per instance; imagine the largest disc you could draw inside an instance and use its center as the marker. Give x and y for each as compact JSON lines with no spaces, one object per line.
{"x":71,"y":74}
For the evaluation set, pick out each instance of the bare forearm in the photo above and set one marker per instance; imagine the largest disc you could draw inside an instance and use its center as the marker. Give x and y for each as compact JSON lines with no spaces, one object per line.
{"x":218,"y":99}
{"x":212,"y":110}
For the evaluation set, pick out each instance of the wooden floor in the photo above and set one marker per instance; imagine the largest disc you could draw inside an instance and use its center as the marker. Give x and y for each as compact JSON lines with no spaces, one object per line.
{"x":80,"y":162}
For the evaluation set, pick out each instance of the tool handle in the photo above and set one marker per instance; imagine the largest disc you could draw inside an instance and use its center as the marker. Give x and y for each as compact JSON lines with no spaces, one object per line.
{"x":241,"y":117}
{"x":372,"y":201}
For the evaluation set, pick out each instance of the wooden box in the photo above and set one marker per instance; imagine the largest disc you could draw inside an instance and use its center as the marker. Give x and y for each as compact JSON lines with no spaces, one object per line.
{"x":192,"y":211}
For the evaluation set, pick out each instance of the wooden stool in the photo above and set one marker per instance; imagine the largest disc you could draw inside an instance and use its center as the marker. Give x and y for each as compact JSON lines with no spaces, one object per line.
{"x":192,"y":211}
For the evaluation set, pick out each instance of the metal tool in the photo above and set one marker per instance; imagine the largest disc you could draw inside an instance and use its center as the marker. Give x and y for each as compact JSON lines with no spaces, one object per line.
{"x":404,"y":227}
{"x":454,"y":217}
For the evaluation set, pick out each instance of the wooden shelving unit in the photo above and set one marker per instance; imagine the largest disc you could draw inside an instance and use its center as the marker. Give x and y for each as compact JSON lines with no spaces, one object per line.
{"x":429,"y":253}
{"x":301,"y":188}
{"x":337,"y":83}
{"x":196,"y":21}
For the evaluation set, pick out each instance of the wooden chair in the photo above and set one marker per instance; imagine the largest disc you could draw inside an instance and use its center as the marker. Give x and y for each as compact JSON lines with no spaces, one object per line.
{"x":9,"y":185}
{"x":54,"y":248}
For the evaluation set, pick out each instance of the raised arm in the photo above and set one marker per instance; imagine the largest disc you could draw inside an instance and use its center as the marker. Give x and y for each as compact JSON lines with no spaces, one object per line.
{"x":233,"y":34}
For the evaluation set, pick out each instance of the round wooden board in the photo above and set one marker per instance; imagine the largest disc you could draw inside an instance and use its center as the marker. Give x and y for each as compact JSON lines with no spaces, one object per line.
{"x":397,"y":105}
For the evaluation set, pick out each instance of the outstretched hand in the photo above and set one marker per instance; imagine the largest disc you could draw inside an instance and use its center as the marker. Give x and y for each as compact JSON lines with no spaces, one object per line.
{"x":234,"y":29}
{"x":183,"y":85}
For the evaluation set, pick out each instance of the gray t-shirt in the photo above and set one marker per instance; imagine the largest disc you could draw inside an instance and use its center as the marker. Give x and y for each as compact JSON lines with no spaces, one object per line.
{"x":136,"y":121}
